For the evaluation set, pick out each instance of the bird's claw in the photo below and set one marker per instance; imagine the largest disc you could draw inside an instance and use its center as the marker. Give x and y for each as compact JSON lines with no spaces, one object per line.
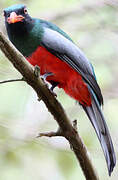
{"x":44,"y":76}
{"x":52,"y":88}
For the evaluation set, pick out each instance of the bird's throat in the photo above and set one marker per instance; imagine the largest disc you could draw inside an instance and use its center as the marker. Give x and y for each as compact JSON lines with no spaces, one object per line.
{"x":25,"y":36}
{"x":18,"y":29}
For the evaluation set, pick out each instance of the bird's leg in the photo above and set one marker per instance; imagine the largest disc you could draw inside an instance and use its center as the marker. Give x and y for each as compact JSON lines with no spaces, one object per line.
{"x":54,"y":84}
{"x":44,"y":76}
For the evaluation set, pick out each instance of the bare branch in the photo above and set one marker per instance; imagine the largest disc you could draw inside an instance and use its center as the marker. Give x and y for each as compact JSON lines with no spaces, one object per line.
{"x":52,"y":104}
{"x":59,"y":132}
{"x":11,"y":80}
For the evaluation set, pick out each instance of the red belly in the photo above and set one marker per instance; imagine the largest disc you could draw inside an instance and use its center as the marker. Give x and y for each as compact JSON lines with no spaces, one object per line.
{"x":70,"y":80}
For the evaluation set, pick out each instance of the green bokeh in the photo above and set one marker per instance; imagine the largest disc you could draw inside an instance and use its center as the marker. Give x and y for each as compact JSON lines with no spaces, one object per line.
{"x":94,"y":27}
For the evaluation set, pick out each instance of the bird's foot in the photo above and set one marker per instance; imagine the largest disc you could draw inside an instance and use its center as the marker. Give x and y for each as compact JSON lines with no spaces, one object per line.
{"x":44,"y":76}
{"x":54,"y":84}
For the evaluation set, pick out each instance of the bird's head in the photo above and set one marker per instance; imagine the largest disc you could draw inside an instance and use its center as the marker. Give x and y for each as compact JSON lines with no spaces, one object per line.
{"x":16,"y":14}
{"x":17,"y":20}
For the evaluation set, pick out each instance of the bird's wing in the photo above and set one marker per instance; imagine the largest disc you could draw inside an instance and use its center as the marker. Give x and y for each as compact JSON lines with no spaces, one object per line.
{"x":67,"y":51}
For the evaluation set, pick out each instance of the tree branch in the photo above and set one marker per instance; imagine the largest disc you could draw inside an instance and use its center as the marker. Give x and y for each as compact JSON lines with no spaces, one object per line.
{"x":11,"y":80}
{"x":55,"y":108}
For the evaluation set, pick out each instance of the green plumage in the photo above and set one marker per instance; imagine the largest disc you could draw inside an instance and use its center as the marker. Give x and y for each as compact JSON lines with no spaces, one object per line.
{"x":28,"y":42}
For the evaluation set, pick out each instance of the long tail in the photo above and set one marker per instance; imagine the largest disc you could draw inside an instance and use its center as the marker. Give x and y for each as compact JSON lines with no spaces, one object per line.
{"x":97,"y":119}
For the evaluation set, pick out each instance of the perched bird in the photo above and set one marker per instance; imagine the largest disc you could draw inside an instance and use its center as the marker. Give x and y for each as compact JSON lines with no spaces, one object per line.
{"x":63,"y":64}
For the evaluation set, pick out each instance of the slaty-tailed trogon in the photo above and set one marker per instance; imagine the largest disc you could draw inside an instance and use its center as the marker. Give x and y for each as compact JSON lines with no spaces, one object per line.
{"x":64,"y":64}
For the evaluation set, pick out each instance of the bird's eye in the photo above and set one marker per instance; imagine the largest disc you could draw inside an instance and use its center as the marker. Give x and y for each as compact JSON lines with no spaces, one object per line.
{"x":25,"y":11}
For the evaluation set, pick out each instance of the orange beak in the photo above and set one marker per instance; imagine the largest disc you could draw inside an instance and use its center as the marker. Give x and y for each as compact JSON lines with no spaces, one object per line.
{"x":14,"y":18}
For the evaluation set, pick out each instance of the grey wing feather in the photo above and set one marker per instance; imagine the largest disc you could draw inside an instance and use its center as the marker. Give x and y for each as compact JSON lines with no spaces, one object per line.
{"x":97,"y":119}
{"x":67,"y":51}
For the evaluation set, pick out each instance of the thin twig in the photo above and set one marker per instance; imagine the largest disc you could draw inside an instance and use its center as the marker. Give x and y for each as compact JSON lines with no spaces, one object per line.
{"x":52,"y":104}
{"x":51,"y":134}
{"x":11,"y":80}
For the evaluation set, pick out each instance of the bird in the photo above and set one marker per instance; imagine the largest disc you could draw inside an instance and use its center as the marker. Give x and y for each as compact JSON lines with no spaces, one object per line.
{"x":63,"y":64}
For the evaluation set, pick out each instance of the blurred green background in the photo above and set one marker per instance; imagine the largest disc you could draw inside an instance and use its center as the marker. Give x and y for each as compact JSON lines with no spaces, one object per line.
{"x":93,"y":25}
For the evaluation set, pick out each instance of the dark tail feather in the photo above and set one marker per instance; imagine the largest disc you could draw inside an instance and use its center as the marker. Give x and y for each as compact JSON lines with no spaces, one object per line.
{"x":97,"y":119}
